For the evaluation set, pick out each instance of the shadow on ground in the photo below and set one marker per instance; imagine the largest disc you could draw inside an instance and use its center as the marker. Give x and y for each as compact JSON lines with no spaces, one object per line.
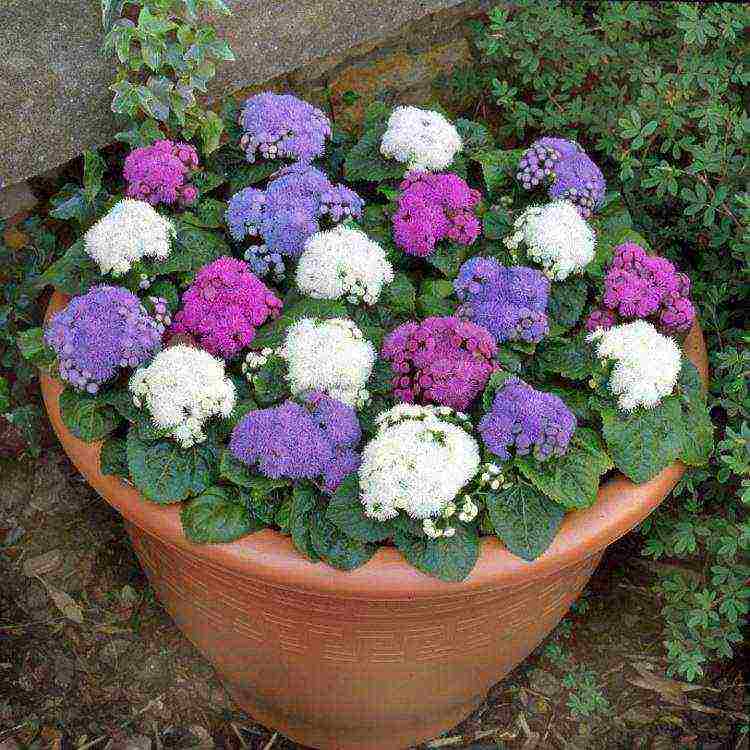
{"x":125,"y":679}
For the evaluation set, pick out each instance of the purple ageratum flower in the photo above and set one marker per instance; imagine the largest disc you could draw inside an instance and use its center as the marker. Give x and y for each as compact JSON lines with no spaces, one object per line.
{"x":281,"y":126}
{"x":158,"y":173}
{"x":224,"y":306}
{"x":568,"y":170}
{"x":313,"y":440}
{"x":433,"y":207}
{"x":290,"y":209}
{"x":444,"y":360}
{"x":510,"y":302}
{"x":100,"y":332}
{"x":639,"y":285}
{"x":527,"y":421}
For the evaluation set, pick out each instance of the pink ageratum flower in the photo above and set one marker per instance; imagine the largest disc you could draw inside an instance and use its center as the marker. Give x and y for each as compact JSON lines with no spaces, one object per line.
{"x":224,"y":306}
{"x":159,"y":173}
{"x":639,"y":285}
{"x":433,"y":207}
{"x":444,"y":360}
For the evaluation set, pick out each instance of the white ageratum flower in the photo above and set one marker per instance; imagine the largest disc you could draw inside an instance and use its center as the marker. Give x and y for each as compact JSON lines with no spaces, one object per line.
{"x":646,"y":363}
{"x":421,"y":139}
{"x":182,"y":388}
{"x":131,"y":230}
{"x":343,"y":262}
{"x":556,"y":237}
{"x":417,"y":462}
{"x":330,"y":356}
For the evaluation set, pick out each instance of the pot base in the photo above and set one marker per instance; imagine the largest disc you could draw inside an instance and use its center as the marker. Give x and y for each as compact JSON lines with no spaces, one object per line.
{"x":395,"y":735}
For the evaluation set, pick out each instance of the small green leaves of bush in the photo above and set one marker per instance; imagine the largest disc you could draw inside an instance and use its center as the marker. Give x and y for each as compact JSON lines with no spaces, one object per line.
{"x":525,"y":520}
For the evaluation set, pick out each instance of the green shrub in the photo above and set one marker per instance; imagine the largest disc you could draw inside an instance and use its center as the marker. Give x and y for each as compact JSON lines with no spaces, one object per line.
{"x":658,"y":94}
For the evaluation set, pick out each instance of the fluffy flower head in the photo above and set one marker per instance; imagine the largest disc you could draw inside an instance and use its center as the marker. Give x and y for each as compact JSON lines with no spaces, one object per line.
{"x":129,"y":231}
{"x":329,"y":356}
{"x":441,"y":360}
{"x":510,"y":302}
{"x":290,"y":209}
{"x":159,"y":173}
{"x":646,"y":364}
{"x":312,"y":440}
{"x":571,"y":174}
{"x":343,"y":262}
{"x":420,"y":138}
{"x":281,"y":126}
{"x":556,"y":237}
{"x":100,"y":332}
{"x":527,"y":421}
{"x":418,"y":462}
{"x":433,"y":207}
{"x":224,"y":306}
{"x":639,"y":285}
{"x":182,"y":389}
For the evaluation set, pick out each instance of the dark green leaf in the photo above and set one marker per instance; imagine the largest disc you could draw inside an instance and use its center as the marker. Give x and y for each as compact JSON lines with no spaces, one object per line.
{"x":399,"y":295}
{"x":566,"y":302}
{"x":525,"y":520}
{"x":448,"y":257}
{"x":167,"y":473}
{"x":644,"y":441}
{"x":113,"y":457}
{"x":233,"y":470}
{"x":89,"y":418}
{"x":334,"y":547}
{"x":571,"y":359}
{"x":208,"y":213}
{"x":73,"y":274}
{"x":365,"y":163}
{"x":304,"y":502}
{"x":499,"y":168}
{"x":217,"y":516}
{"x":450,"y":559}
{"x":699,"y":437}
{"x":94,"y":168}
{"x":32,"y":347}
{"x":273,"y":334}
{"x":346,"y":512}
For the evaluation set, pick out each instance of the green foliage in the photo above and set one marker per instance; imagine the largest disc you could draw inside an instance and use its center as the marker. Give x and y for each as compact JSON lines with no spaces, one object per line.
{"x":167,"y":57}
{"x":364,"y":162}
{"x":450,"y":559}
{"x":33,"y":349}
{"x":113,"y":457}
{"x":216,"y":516}
{"x":89,"y":418}
{"x":74,"y":273}
{"x":346,"y":512}
{"x":525,"y":520}
{"x":585,"y":697}
{"x":272,"y":335}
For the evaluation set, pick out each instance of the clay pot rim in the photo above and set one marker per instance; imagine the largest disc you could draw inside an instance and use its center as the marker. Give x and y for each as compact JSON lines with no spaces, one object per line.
{"x":620,"y":506}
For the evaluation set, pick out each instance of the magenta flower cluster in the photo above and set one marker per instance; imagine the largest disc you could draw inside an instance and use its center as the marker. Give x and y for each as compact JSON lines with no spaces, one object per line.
{"x":510,"y":302}
{"x":313,"y":440}
{"x":527,"y":421}
{"x":442,"y":360}
{"x":639,"y":285}
{"x":160,"y":173}
{"x":224,"y":306}
{"x":100,"y":332}
{"x":568,"y":170}
{"x":281,"y":126}
{"x":434,"y":207}
{"x":290,"y":209}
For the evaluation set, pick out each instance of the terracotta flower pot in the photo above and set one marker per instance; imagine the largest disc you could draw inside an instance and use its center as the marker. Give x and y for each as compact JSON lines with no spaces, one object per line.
{"x":381,"y":657}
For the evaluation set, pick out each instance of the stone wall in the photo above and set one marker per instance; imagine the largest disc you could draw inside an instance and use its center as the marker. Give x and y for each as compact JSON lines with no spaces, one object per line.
{"x":53,"y":78}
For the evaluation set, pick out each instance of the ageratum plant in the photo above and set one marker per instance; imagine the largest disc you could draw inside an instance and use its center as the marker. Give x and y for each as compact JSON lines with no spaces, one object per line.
{"x":383,"y":359}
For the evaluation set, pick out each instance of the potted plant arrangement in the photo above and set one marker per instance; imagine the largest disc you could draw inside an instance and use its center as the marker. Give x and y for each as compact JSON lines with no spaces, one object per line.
{"x":372,"y":411}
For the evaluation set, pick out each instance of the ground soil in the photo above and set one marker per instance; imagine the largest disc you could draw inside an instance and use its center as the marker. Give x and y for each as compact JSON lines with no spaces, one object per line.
{"x":125,"y":677}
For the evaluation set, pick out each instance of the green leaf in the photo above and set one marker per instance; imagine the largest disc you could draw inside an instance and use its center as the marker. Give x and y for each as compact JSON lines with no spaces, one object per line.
{"x":32,"y":347}
{"x":381,"y":379}
{"x":573,"y":479}
{"x":606,"y":242}
{"x":111,"y":10}
{"x":217,"y":516}
{"x":205,"y":182}
{"x":304,"y":502}
{"x":141,"y":135}
{"x":566,"y":302}
{"x":644,"y":441}
{"x":245,"y":174}
{"x":334,"y":547}
{"x":4,"y":395}
{"x":429,"y":305}
{"x":167,"y":473}
{"x":73,"y":274}
{"x":209,"y":213}
{"x":525,"y":520}
{"x":94,"y":168}
{"x":497,"y":223}
{"x":448,"y":257}
{"x":450,"y":559}
{"x":270,"y":382}
{"x":346,"y":512}
{"x":89,"y":418}
{"x":167,"y":291}
{"x":113,"y":457}
{"x":699,"y":437}
{"x":571,"y":359}
{"x":234,"y":471}
{"x":195,"y":249}
{"x":496,"y":381}
{"x":273,"y":334}
{"x":211,"y":129}
{"x":400,"y":295}
{"x":499,"y":168}
{"x":476,"y":137}
{"x":122,"y":400}
{"x":365,"y":163}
